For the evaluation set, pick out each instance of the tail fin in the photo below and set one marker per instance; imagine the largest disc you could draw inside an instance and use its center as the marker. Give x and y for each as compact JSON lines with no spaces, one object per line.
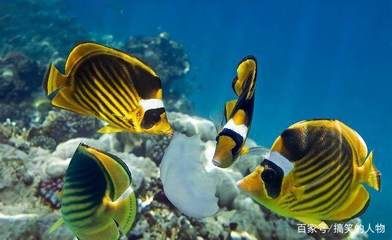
{"x":370,"y":173}
{"x":53,"y":80}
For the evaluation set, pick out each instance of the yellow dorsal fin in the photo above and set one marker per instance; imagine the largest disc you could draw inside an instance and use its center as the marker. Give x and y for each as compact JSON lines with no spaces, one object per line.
{"x":56,"y":225}
{"x":80,"y":51}
{"x":370,"y":174}
{"x":229,"y":106}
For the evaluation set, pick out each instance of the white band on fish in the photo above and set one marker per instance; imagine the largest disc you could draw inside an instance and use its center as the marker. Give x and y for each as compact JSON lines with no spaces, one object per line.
{"x":241,"y":129}
{"x":281,"y":161}
{"x":148,"y":104}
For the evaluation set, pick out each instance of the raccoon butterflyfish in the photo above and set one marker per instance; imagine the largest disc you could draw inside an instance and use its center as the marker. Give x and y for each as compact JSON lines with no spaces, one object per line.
{"x":111,"y":85}
{"x":97,"y":200}
{"x":238,"y":114}
{"x":315,"y":174}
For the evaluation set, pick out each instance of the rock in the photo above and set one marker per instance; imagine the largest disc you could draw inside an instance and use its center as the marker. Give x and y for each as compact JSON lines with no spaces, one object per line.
{"x":60,"y":126}
{"x":192,"y":125}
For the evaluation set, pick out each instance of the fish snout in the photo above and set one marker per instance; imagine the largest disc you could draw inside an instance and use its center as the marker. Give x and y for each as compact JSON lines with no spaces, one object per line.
{"x":252,"y":183}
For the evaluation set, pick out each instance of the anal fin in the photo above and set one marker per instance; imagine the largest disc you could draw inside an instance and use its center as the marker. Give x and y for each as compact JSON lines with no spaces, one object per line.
{"x":110,"y":129}
{"x":63,"y":98}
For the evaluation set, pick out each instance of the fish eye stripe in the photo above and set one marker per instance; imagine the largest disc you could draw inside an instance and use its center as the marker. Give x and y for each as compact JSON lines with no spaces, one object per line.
{"x":241,"y":129}
{"x":236,"y":138}
{"x":148,"y":104}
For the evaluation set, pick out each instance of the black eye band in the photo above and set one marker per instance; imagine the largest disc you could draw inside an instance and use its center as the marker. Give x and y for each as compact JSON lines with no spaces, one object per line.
{"x":151,"y":117}
{"x":272,"y":177}
{"x":238,"y":139}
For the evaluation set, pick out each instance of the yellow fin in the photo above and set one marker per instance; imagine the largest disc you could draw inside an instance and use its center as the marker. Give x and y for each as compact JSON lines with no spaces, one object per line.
{"x":298,"y":192}
{"x":53,"y":80}
{"x":244,"y":150}
{"x":109,"y":232}
{"x":124,"y":209}
{"x":354,"y":206}
{"x":371,"y":175}
{"x":313,"y":222}
{"x":63,"y":99}
{"x":80,"y":51}
{"x":110,"y":129}
{"x":56,"y":225}
{"x":229,"y":108}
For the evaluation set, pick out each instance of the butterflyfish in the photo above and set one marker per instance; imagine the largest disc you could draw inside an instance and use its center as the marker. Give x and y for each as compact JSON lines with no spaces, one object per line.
{"x":238,"y":114}
{"x":97,"y":200}
{"x":315,"y":173}
{"x":111,"y":85}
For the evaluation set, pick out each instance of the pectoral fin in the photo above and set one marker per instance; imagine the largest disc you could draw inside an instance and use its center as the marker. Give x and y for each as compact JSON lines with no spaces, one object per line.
{"x":229,"y":108}
{"x":56,"y":225}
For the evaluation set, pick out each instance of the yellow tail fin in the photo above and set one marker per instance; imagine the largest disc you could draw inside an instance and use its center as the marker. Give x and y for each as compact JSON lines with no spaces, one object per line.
{"x":370,"y":173}
{"x":53,"y":80}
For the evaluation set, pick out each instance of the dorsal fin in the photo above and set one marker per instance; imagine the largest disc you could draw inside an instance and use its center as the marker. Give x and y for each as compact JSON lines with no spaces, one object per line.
{"x":229,"y":106}
{"x":246,"y":76}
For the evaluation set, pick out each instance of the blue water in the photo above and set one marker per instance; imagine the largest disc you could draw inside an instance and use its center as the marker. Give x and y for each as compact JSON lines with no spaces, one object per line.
{"x":316,"y":59}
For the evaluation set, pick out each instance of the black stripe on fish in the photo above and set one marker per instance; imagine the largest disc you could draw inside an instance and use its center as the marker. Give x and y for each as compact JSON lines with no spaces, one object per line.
{"x":272,"y":177}
{"x":102,"y":95}
{"x":112,"y":68}
{"x":110,"y":87}
{"x":122,"y":84}
{"x":151,"y":117}
{"x":323,"y":162}
{"x":99,"y":108}
{"x":237,"y":138}
{"x":88,"y":206}
{"x":342,"y":176}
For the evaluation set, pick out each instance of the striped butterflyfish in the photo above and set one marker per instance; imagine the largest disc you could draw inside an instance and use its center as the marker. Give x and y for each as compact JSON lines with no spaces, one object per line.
{"x":238,"y":114}
{"x":315,"y":174}
{"x":111,"y":85}
{"x":97,"y":200}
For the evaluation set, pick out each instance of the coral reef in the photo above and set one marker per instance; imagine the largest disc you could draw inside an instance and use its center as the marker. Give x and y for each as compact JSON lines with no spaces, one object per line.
{"x":38,"y":29}
{"x":48,"y":191}
{"x":19,"y":76}
{"x":60,"y":126}
{"x":24,"y":216}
